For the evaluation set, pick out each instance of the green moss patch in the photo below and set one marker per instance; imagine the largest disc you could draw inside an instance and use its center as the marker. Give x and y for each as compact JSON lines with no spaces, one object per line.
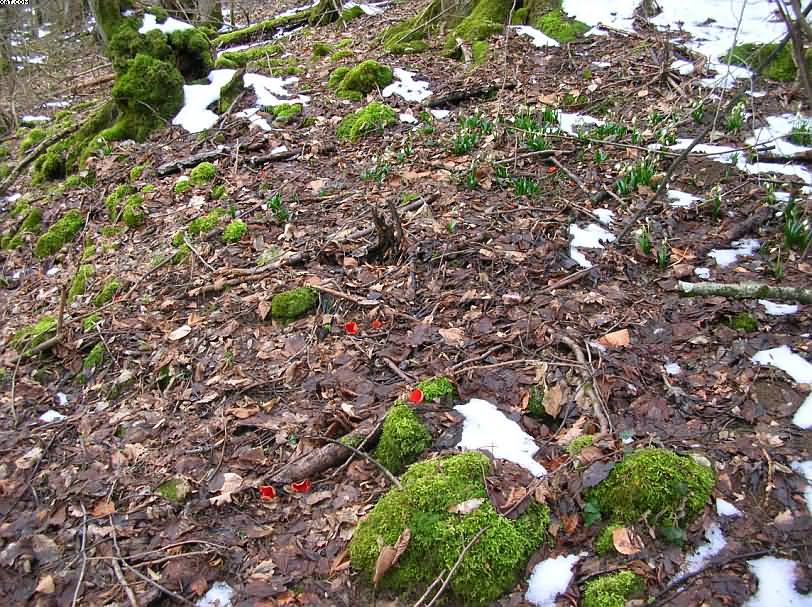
{"x":235,"y":59}
{"x":285,"y":112}
{"x":350,"y":14}
{"x":578,"y":444}
{"x":200,"y":225}
{"x":80,"y":280}
{"x":605,"y":543}
{"x":357,"y":82}
{"x":94,"y":358}
{"x":561,"y":28}
{"x":488,"y":17}
{"x":137,"y":171}
{"x":743,"y":322}
{"x":321,"y":49}
{"x":491,"y":566}
{"x":612,"y":590}
{"x":234,"y":231}
{"x":175,"y":489}
{"x":257,"y":31}
{"x":437,"y":388}
{"x":294,"y":303}
{"x":230,"y":91}
{"x":34,"y":137}
{"x":108,"y":291}
{"x":666,"y":488}
{"x":751,"y":55}
{"x":183,"y":184}
{"x":374,"y":117}
{"x":203,"y":173}
{"x":32,"y":218}
{"x":403,"y":439}
{"x":60,"y":233}
{"x":133,"y":213}
{"x":115,"y":198}
{"x":33,"y":335}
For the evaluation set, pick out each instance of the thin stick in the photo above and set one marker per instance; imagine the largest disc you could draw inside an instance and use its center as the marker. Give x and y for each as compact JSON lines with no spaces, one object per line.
{"x":341,"y":295}
{"x":84,"y":558}
{"x":392,"y":478}
{"x":203,"y":261}
{"x":456,"y":566}
{"x":163,"y":589}
{"x":123,"y":581}
{"x":360,"y":447}
{"x":589,"y":384}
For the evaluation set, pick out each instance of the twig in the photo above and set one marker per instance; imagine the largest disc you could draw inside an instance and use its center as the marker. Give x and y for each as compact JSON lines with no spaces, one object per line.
{"x":84,"y":558}
{"x":123,"y":581}
{"x":392,"y":478}
{"x":341,"y":295}
{"x":482,"y":356}
{"x":163,"y":589}
{"x":507,"y":363}
{"x":191,"y":248}
{"x":746,"y":290}
{"x":361,"y":445}
{"x":574,"y":277}
{"x":589,"y":384}
{"x":397,"y":370}
{"x":447,"y":579}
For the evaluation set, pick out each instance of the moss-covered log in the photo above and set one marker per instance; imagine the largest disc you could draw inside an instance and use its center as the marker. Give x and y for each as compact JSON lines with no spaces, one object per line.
{"x":745,"y":290}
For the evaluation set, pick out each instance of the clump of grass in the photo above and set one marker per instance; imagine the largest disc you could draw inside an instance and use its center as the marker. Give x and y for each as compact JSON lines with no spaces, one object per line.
{"x":797,"y":232}
{"x":801,"y":133}
{"x":525,"y":186}
{"x":379,"y":172}
{"x":644,"y":241}
{"x":735,"y":120}
{"x":276,"y":205}
{"x":640,"y":173}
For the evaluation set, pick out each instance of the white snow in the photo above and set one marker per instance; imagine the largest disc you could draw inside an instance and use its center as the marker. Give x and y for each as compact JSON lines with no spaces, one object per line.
{"x":589,"y":237}
{"x":51,"y":416}
{"x":31,"y":118}
{"x":705,"y":552}
{"x":280,"y":149}
{"x":539,"y":39}
{"x":407,"y":118}
{"x":550,"y":578}
{"x":776,"y":584}
{"x":726,"y":257}
{"x":602,"y":64}
{"x":684,"y":68}
{"x":42,"y":32}
{"x":34,"y":59}
{"x":485,"y":427}
{"x":195,"y":116}
{"x":604,"y":215}
{"x":273,"y":91}
{"x":375,"y":8}
{"x":56,"y":104}
{"x":672,"y":368}
{"x":62,"y":398}
{"x":778,"y":309}
{"x":805,"y":470}
{"x":703,"y":273}
{"x":725,"y":508}
{"x":569,"y":122}
{"x":803,"y":416}
{"x":219,"y":595}
{"x":777,"y":128}
{"x":298,"y":9}
{"x":615,"y":13}
{"x":681,"y":200}
{"x":254,"y":118}
{"x":797,"y":367}
{"x":407,"y":87}
{"x":53,"y":270}
{"x":440,"y":114}
{"x":167,"y":27}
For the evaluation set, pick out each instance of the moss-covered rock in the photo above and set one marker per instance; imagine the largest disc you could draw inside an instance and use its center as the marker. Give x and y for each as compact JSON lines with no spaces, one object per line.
{"x":235,"y":59}
{"x":94,"y":358}
{"x":133,"y":213}
{"x":321,"y":49}
{"x":203,"y":173}
{"x":60,"y":233}
{"x":781,"y":69}
{"x":561,"y":28}
{"x":285,"y":112}
{"x":666,"y":488}
{"x":79,"y":285}
{"x":437,"y":388}
{"x":32,"y":138}
{"x":183,"y":184}
{"x":32,"y":219}
{"x":403,"y":439}
{"x":231,"y":90}
{"x":374,"y":117}
{"x":294,"y":303}
{"x":234,"y":231}
{"x":612,"y":590}
{"x":115,"y":198}
{"x":137,"y":171}
{"x":107,"y":292}
{"x":192,"y":53}
{"x":357,"y":82}
{"x":31,"y":336}
{"x":491,"y":566}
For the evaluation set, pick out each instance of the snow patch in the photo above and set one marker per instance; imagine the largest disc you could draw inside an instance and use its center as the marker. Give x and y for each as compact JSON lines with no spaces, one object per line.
{"x":726,"y":257}
{"x":797,"y":367}
{"x":672,"y":368}
{"x":254,"y":118}
{"x":30,"y":118}
{"x":167,"y":27}
{"x":777,"y":128}
{"x":803,"y":416}
{"x":56,"y":104}
{"x":440,"y":114}
{"x":805,"y":470}
{"x":485,"y":427}
{"x":539,"y":39}
{"x":778,"y":309}
{"x":776,"y":584}
{"x":299,"y":9}
{"x":604,"y":215}
{"x":569,"y":123}
{"x":407,"y":87}
{"x":195,"y":116}
{"x":219,"y":595}
{"x":550,"y":578}
{"x":61,"y":399}
{"x":373,"y":9}
{"x":407,"y":118}
{"x":51,"y":416}
{"x":697,"y":559}
{"x":703,"y":273}
{"x":273,"y":91}
{"x":589,"y":237}
{"x":725,"y":508}
{"x":681,"y":200}
{"x":684,"y":68}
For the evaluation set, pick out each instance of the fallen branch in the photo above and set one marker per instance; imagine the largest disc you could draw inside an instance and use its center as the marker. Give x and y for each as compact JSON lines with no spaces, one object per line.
{"x":33,"y":154}
{"x":589,"y":384}
{"x":464,"y":94}
{"x":252,"y":274}
{"x":392,"y":478}
{"x":746,"y":290}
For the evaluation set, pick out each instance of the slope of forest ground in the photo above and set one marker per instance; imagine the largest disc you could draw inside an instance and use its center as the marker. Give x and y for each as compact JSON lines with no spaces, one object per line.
{"x":193,"y":387}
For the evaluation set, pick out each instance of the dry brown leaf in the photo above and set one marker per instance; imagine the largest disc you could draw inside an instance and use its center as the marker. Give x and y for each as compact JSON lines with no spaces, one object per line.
{"x":466,"y":507}
{"x":615,"y":339}
{"x":554,"y":398}
{"x":231,"y":484}
{"x":46,"y":585}
{"x":589,"y":454}
{"x":402,"y":543}
{"x":389,"y":555}
{"x":625,"y":541}
{"x":243,"y":412}
{"x":103,"y":508}
{"x":179,"y":333}
{"x":453,"y":336}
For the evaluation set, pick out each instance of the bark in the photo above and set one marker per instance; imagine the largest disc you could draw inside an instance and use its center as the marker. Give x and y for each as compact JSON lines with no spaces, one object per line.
{"x":746,"y":290}
{"x":107,"y":14}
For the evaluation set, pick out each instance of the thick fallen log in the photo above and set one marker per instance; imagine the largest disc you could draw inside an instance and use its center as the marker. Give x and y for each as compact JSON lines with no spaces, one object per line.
{"x":465,"y":94}
{"x":745,"y":290}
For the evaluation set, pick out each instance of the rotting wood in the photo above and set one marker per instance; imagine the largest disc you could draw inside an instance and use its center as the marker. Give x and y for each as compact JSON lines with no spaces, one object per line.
{"x":740,"y":229}
{"x":463,"y":94}
{"x":745,"y":290}
{"x":253,"y":274}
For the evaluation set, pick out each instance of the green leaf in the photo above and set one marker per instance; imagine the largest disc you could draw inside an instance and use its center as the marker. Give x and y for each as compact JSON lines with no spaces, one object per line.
{"x":592,"y":513}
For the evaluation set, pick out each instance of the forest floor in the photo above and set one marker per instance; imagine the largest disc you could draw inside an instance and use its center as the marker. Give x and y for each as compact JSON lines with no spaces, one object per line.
{"x":198,"y":384}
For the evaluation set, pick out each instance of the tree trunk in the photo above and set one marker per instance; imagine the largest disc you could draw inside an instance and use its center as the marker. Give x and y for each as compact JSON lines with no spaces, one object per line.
{"x":107,"y":14}
{"x":199,"y":12}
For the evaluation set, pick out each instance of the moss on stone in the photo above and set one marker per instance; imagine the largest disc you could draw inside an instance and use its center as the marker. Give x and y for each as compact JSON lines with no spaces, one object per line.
{"x":612,"y":590}
{"x":357,"y":82}
{"x":231,"y":90}
{"x":192,"y":52}
{"x":183,"y":184}
{"x":29,"y":225}
{"x":234,"y":231}
{"x":174,"y":490}
{"x":294,"y":303}
{"x":33,"y":335}
{"x":578,"y":443}
{"x":781,"y":69}
{"x":437,"y":388}
{"x":743,"y":322}
{"x":604,"y":543}
{"x":666,"y":488}
{"x":218,"y":192}
{"x":115,"y":198}
{"x":137,"y":171}
{"x":203,"y":173}
{"x":321,"y":49}
{"x":374,"y":117}
{"x":235,"y":59}
{"x":107,"y":292}
{"x":200,"y":225}
{"x":133,"y":213}
{"x":94,"y":358}
{"x":63,"y":231}
{"x":258,"y":30}
{"x":285,"y":112}
{"x":488,"y":17}
{"x":80,"y":279}
{"x":558,"y":26}
{"x":491,"y":566}
{"x":126,"y":43}
{"x":342,"y":54}
{"x":403,"y":439}
{"x":32,"y":138}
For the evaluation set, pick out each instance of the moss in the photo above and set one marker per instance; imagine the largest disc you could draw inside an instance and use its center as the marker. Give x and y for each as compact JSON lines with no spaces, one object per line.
{"x":133,"y":214}
{"x":559,"y":27}
{"x":108,"y":291}
{"x":409,"y":36}
{"x":479,"y":51}
{"x":285,"y":112}
{"x":182,"y":185}
{"x":321,"y":49}
{"x":89,"y":251}
{"x":488,"y":17}
{"x":148,"y":188}
{"x":5,"y":170}
{"x":126,"y":43}
{"x":258,"y":30}
{"x":192,"y":50}
{"x":218,"y":192}
{"x":94,"y":358}
{"x":403,"y":439}
{"x":50,"y":165}
{"x":285,"y":66}
{"x":206,"y":223}
{"x":63,"y":231}
{"x":364,"y":78}
{"x":4,"y":151}
{"x":578,"y":443}
{"x":72,"y":182}
{"x":612,"y":590}
{"x":235,"y":59}
{"x":351,"y":440}
{"x":293,"y":303}
{"x":79,"y":284}
{"x":29,"y":225}
{"x":160,"y":13}
{"x":89,"y":323}
{"x":437,"y":388}
{"x":374,"y":117}
{"x":231,"y":90}
{"x":234,"y":231}
{"x":657,"y":484}
{"x":33,"y":335}
{"x":490,"y":567}
{"x":743,"y":322}
{"x":782,"y":68}
{"x":137,"y":171}
{"x":605,"y":544}
{"x":174,"y":490}
{"x":34,"y":137}
{"x":535,"y":404}
{"x":350,"y":14}
{"x":114,"y":199}
{"x":203,"y":173}
{"x":342,"y":54}
{"x":520,"y":16}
